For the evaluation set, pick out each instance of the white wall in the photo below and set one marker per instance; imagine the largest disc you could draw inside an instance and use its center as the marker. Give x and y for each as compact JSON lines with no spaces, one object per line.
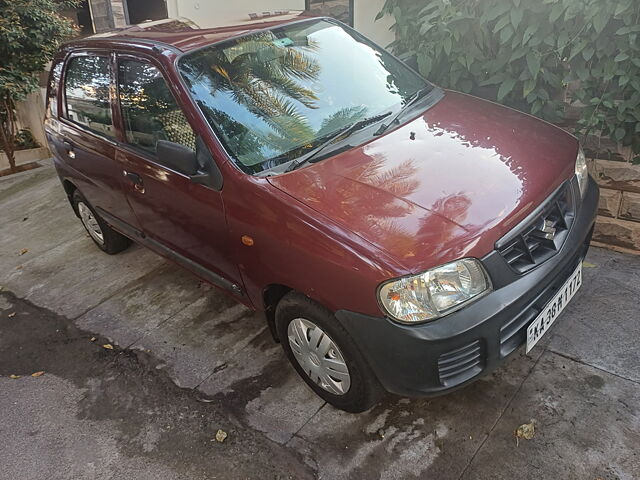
{"x":215,"y":13}
{"x":364,"y":14}
{"x":30,"y":114}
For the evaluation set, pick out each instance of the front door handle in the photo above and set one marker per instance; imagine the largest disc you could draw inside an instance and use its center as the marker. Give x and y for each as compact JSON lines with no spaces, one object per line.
{"x":68,"y":146}
{"x":135,"y":179}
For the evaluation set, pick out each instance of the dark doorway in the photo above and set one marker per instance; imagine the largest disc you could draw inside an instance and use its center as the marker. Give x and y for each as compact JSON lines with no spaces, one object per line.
{"x":339,"y":9}
{"x":143,"y":10}
{"x":84,"y":18}
{"x":81,"y":16}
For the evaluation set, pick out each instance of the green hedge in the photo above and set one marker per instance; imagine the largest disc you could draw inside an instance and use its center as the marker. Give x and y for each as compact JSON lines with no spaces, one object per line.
{"x":536,"y":55}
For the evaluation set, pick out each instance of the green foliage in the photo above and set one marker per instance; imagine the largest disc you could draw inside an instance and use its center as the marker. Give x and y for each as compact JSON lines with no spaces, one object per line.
{"x":533,"y":55}
{"x":30,"y":33}
{"x":25,"y":140}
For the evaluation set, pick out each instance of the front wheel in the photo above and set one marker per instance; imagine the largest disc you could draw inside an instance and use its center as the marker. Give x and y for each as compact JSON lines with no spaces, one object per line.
{"x":324,"y":355}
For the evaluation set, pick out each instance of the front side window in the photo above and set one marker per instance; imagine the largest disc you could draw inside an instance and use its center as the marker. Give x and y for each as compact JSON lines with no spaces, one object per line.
{"x":149,"y":110}
{"x":86,"y":88}
{"x":275,"y":94}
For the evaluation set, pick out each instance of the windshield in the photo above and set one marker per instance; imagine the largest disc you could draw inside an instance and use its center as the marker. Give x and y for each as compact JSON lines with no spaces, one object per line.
{"x":275,"y":94}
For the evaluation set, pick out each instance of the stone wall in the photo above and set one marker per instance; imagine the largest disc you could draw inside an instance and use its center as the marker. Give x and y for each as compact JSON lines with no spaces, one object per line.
{"x":617,"y":171}
{"x":108,"y":14}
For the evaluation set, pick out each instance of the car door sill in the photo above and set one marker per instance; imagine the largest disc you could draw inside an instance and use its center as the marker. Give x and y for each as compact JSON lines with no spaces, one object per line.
{"x":185,"y":262}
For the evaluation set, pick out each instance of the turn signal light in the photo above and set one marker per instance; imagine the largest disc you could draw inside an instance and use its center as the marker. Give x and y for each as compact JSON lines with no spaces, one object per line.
{"x":247,"y":240}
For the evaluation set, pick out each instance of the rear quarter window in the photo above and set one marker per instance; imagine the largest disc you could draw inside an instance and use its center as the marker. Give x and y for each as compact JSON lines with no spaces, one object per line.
{"x":52,"y":89}
{"x":87,"y":84}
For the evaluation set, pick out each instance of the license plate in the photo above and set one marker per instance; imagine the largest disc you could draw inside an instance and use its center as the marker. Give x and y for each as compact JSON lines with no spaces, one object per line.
{"x":552,"y":310}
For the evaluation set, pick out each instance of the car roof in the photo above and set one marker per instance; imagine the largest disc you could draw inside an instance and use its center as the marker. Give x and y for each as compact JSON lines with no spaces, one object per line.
{"x":184,"y":35}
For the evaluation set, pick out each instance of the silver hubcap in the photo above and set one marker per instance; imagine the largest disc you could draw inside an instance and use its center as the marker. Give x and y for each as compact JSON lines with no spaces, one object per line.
{"x":319,"y":356}
{"x":90,"y":223}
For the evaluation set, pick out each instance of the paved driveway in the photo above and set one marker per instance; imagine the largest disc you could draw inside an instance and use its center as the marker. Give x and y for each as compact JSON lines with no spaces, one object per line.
{"x":581,"y":386}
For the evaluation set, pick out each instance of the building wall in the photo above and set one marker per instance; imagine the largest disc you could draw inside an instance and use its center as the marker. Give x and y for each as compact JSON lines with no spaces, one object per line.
{"x":29,"y":115}
{"x":364,"y":14}
{"x":217,"y":13}
{"x":214,"y":13}
{"x":107,"y":14}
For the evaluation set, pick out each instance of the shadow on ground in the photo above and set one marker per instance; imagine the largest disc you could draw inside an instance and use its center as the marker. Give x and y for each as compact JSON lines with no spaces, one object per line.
{"x":114,"y":408}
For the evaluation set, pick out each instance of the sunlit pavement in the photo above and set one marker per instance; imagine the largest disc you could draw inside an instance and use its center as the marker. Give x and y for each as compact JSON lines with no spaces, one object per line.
{"x":580,"y":386}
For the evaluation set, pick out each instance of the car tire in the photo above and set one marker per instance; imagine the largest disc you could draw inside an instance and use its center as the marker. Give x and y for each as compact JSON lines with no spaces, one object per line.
{"x":301,"y":323}
{"x":105,"y":237}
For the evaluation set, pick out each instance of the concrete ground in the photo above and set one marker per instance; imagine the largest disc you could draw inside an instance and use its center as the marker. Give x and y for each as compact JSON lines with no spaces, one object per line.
{"x":188,"y":361}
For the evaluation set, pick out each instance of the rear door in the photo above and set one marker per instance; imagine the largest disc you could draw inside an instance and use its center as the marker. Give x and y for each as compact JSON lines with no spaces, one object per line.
{"x":86,"y":136}
{"x":182,"y":220}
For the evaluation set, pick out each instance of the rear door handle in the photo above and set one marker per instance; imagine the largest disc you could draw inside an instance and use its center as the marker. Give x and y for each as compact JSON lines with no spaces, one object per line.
{"x":68,"y":146}
{"x":135,"y":179}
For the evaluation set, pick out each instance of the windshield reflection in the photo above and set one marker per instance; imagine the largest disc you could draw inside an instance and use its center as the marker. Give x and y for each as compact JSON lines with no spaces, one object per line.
{"x":274,"y":94}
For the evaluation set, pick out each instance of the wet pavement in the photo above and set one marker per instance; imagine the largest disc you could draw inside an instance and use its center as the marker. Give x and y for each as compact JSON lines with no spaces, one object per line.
{"x":188,"y":360}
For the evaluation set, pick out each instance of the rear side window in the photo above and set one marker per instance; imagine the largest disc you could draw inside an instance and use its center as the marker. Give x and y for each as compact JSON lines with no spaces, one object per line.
{"x":149,"y":110}
{"x":86,"y":88}
{"x":52,"y":89}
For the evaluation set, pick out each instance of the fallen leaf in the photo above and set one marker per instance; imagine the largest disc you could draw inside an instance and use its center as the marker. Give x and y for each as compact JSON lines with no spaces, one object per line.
{"x":14,"y":376}
{"x":23,"y":251}
{"x":589,"y":265}
{"x":526,"y":431}
{"x":221,"y":435}
{"x":11,"y":315}
{"x":37,"y":374}
{"x":108,"y":346}
{"x":93,"y":339}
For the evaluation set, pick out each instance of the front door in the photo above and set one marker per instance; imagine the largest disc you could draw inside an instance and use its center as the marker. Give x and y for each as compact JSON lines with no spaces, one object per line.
{"x":183,"y":220}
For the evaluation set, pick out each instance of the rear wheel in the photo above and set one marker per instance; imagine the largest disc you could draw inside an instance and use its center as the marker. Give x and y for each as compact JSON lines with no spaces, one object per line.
{"x":324,"y":355}
{"x":105,"y":237}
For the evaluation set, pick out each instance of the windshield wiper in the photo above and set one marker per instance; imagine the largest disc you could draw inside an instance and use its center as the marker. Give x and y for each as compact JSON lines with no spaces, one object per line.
{"x":410,"y":101}
{"x":344,"y":131}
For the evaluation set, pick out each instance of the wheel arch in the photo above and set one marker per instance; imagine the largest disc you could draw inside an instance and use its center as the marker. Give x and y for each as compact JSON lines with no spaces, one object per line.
{"x":271,"y":296}
{"x":69,"y":189}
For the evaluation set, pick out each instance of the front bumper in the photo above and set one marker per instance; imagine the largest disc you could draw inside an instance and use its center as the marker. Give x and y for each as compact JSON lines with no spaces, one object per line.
{"x":434,"y":358}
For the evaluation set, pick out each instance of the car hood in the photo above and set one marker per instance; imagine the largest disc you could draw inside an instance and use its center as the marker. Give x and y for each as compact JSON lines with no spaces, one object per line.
{"x":445,"y":185}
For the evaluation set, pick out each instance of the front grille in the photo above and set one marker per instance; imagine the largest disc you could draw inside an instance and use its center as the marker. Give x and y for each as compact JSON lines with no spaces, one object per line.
{"x":542,"y":235}
{"x":514,"y":333}
{"x":461,"y":364}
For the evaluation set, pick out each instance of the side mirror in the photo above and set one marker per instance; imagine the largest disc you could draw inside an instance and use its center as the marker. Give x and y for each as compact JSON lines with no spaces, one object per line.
{"x":198,"y":165}
{"x":177,"y":157}
{"x":208,"y":172}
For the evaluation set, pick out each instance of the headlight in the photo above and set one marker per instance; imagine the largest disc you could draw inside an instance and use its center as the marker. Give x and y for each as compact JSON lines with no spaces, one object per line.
{"x":581,"y":171}
{"x":434,"y":293}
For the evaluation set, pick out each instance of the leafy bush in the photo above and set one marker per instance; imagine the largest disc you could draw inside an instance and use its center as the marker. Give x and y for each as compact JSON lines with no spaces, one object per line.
{"x":30,"y":32}
{"x":25,"y":140}
{"x":537,"y":56}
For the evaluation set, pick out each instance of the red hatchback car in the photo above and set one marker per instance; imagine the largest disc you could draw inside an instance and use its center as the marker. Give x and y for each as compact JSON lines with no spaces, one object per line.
{"x":397,"y":236}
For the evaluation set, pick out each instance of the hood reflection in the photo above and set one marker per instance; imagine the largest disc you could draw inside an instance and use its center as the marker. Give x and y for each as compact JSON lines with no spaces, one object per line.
{"x":472,"y":171}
